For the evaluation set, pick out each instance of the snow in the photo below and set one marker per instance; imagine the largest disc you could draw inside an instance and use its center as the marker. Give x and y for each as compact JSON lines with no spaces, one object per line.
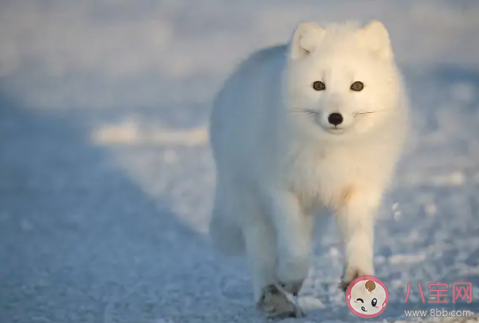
{"x":106,"y":176}
{"x":131,"y":132}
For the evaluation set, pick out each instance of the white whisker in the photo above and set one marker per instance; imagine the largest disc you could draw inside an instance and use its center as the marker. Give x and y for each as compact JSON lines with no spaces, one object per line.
{"x":368,"y":112}
{"x":306,"y":111}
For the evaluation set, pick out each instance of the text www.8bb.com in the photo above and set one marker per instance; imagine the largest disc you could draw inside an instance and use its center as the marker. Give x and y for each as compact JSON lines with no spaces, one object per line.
{"x":436,"y":312}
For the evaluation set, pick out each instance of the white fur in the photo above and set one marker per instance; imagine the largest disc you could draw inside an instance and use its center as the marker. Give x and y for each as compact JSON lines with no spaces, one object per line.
{"x":278,"y":167}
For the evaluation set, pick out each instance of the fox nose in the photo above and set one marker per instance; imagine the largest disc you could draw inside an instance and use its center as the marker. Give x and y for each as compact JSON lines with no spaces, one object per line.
{"x":335,"y":118}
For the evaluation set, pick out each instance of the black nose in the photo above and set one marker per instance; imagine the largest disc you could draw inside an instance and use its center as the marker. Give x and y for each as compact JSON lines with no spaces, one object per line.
{"x":335,"y":118}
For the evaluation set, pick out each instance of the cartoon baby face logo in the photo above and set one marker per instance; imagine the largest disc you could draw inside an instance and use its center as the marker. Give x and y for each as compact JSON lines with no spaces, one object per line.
{"x":367,"y":297}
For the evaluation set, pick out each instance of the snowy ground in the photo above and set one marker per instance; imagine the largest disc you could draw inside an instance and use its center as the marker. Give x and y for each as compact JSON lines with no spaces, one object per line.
{"x":106,"y":178}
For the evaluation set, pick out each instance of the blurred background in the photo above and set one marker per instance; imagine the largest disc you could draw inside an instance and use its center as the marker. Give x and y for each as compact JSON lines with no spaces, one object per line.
{"x":106,"y":177}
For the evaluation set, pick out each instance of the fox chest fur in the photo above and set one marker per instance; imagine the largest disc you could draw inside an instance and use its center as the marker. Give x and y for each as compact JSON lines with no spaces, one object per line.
{"x":333,"y":175}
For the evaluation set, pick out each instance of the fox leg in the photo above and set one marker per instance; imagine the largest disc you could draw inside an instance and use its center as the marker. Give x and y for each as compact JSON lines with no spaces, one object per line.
{"x":261,"y":253}
{"x":293,"y":240}
{"x":355,"y":217}
{"x":224,"y":229}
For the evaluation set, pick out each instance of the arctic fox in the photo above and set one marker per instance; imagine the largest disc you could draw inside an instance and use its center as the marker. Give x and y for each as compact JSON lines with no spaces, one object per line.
{"x":300,"y":130}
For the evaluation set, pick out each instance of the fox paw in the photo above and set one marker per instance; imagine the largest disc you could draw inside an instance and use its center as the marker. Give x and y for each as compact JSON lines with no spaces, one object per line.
{"x":292,"y":288}
{"x":350,"y":275}
{"x":276,"y":304}
{"x":291,"y":274}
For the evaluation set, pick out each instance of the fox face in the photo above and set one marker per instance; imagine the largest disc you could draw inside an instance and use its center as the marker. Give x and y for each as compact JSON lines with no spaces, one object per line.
{"x":341,"y":81}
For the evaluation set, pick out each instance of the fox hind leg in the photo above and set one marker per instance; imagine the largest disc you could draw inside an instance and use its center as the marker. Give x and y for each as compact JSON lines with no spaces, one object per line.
{"x":224,"y":229}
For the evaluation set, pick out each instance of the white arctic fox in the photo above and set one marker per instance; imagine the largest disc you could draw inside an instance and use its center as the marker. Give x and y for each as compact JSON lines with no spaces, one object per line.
{"x":298,"y":131}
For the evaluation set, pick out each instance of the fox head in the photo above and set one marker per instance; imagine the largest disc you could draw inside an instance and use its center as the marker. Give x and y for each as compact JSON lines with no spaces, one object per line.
{"x":341,"y":81}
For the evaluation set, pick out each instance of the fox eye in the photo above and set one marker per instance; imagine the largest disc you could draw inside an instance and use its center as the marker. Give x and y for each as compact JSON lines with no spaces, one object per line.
{"x":361,"y":300}
{"x":357,"y":86}
{"x":374,"y":302}
{"x":319,"y":86}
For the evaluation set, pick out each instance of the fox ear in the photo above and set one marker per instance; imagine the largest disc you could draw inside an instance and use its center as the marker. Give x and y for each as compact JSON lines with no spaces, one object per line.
{"x":376,"y":38}
{"x":305,"y":38}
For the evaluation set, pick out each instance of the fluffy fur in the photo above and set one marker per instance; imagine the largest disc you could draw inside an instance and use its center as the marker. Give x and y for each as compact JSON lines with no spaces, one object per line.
{"x":281,"y":164}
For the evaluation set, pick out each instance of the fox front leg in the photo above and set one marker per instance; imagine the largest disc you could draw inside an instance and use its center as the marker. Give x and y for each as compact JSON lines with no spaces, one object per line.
{"x":355,"y":216}
{"x":293,"y":231}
